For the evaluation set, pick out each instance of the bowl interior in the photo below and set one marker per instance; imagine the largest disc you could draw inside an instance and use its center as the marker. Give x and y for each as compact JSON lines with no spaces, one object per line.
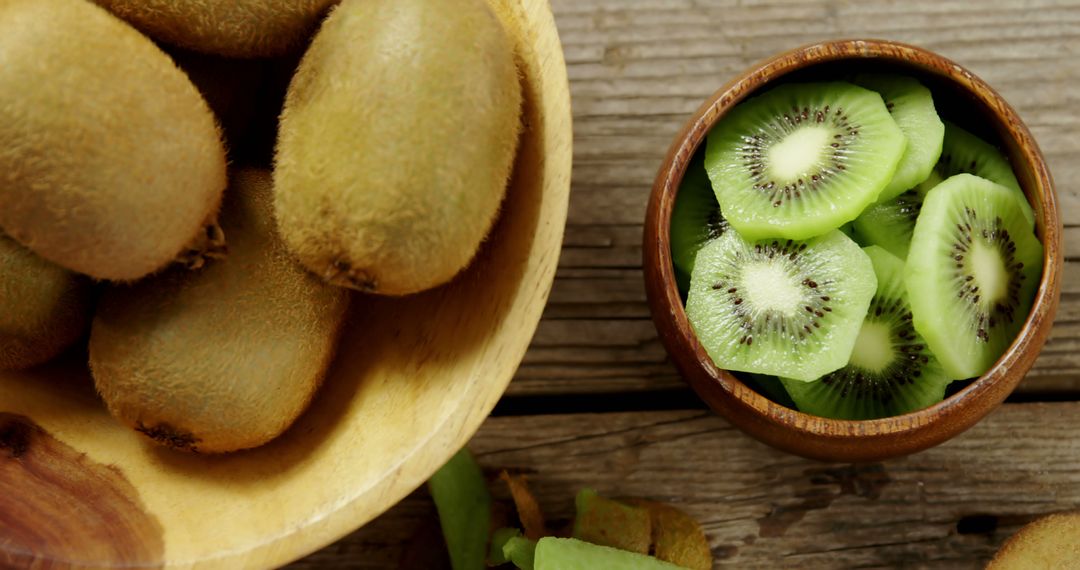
{"x":960,"y":97}
{"x":413,"y":380}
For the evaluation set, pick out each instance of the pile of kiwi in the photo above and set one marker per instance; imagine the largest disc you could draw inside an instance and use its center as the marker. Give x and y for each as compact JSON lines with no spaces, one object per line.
{"x":849,"y":253}
{"x":211,"y":280}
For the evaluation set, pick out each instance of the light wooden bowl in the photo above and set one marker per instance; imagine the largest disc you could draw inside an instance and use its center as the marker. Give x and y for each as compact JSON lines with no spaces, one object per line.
{"x":414,"y":379}
{"x":963,"y":98}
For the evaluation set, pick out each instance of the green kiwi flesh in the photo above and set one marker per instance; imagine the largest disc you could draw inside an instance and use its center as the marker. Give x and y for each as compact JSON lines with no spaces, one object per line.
{"x":224,"y":358}
{"x":889,"y":224}
{"x":44,"y":308}
{"x":780,"y":307}
{"x":912,"y":107}
{"x":802,"y":159}
{"x":461,"y":496}
{"x":972,"y":272}
{"x":890,"y":372}
{"x":412,"y":168}
{"x":695,"y":219}
{"x":572,"y":554}
{"x":964,"y":152}
{"x":233,"y":28}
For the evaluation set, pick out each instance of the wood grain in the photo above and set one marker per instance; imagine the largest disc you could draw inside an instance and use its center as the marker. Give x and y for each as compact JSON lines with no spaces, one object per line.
{"x":638,"y":69}
{"x":948,"y":507}
{"x":56,"y":504}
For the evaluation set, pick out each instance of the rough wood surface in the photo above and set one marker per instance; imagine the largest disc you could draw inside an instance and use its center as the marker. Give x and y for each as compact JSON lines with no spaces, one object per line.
{"x":639,"y":68}
{"x":949,"y":507}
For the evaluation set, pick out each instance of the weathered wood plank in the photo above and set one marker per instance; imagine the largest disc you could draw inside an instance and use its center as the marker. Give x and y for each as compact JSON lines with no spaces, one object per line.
{"x":638,"y":70}
{"x":948,"y":507}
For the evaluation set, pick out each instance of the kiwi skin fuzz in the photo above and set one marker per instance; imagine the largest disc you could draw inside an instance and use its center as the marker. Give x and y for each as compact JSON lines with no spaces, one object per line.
{"x":111,"y":163}
{"x":44,"y":308}
{"x":225,"y":358}
{"x":232,"y":28}
{"x":390,"y":185}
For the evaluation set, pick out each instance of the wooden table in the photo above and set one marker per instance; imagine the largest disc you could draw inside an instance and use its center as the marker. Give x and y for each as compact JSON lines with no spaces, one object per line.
{"x":596,"y":401}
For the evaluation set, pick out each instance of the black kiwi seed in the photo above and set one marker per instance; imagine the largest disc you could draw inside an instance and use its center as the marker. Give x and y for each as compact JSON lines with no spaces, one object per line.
{"x":775,"y":131}
{"x":994,"y":235}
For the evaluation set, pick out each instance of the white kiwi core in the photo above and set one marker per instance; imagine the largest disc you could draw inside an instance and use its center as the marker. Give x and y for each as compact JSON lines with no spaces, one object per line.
{"x":989,"y":270}
{"x":873,"y":347}
{"x":798,"y":153}
{"x":770,"y":289}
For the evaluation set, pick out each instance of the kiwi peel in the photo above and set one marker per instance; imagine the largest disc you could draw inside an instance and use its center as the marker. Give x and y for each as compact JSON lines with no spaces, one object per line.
{"x":44,"y":308}
{"x":404,"y":196}
{"x":75,"y":183}
{"x":224,"y":358}
{"x":237,"y":28}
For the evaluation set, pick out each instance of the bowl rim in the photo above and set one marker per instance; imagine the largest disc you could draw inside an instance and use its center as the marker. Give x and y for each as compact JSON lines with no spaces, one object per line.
{"x":814,"y":436}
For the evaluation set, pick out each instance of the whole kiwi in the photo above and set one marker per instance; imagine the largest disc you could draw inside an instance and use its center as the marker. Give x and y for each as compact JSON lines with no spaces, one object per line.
{"x":111,"y":163}
{"x":233,"y":28}
{"x":44,"y":308}
{"x":224,"y":358}
{"x":396,"y":142}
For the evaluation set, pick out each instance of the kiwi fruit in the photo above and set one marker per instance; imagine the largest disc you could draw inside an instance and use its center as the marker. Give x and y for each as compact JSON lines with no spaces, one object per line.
{"x":676,"y":537}
{"x":44,"y":308}
{"x":235,"y":28}
{"x":129,"y":176}
{"x":963,"y":152}
{"x":1048,"y":543}
{"x":572,"y":554}
{"x":912,"y":107}
{"x":390,"y":186}
{"x":889,"y":224}
{"x":695,"y":219}
{"x":802,"y":159}
{"x":224,"y":358}
{"x":972,"y":272}
{"x":780,"y":307}
{"x":890,"y":372}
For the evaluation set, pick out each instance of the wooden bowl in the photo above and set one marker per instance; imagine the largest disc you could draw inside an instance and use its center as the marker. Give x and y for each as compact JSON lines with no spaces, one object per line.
{"x":414,"y":379}
{"x":959,"y":96}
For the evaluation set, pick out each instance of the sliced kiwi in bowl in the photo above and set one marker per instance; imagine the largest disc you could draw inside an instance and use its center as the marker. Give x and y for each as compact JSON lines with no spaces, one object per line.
{"x":889,"y":223}
{"x":971,"y":272}
{"x":695,"y":219}
{"x":802,"y":159}
{"x":890,"y":372}
{"x":912,"y":107}
{"x":780,"y":307}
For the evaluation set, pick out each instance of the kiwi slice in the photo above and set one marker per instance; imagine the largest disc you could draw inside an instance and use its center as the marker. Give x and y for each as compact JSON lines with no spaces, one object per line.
{"x":781,"y":307}
{"x":695,"y":219}
{"x":972,"y":272}
{"x":964,"y":152}
{"x":572,"y":554}
{"x":802,"y":159}
{"x":889,"y":224}
{"x":912,"y":107}
{"x":890,"y":372}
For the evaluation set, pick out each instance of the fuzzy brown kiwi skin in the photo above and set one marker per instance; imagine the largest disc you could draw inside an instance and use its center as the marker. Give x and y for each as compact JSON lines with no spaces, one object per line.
{"x":390,"y":187}
{"x":43,"y":308}
{"x":223,"y":358}
{"x":125,"y":178}
{"x":232,"y":28}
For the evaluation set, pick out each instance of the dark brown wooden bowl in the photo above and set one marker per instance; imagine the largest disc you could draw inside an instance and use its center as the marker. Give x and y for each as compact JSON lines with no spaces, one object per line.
{"x":959,"y":96}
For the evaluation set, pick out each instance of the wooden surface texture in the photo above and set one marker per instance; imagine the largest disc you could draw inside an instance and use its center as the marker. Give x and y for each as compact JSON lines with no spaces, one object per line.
{"x":638,"y":69}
